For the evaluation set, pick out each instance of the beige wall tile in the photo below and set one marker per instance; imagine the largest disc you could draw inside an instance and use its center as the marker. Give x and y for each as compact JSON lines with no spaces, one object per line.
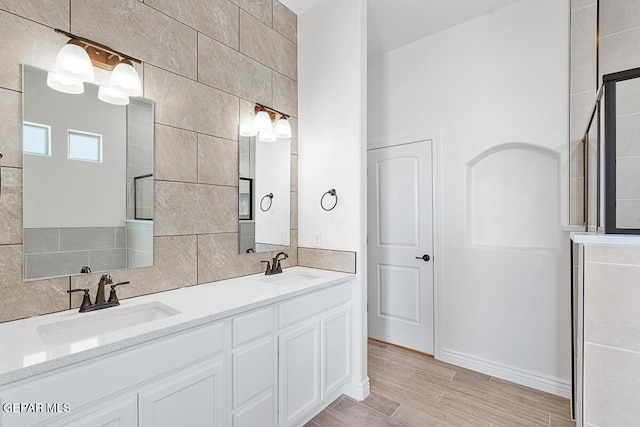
{"x":33,"y":299}
{"x":247,"y":112}
{"x":627,"y":135}
{"x":11,"y":128}
{"x":628,"y":97}
{"x":611,"y":316}
{"x":11,"y":206}
{"x":174,"y":266}
{"x":611,"y":392}
{"x":294,"y":173}
{"x":576,"y":201}
{"x":217,"y":161}
{"x":216,"y":209}
{"x":19,"y":300}
{"x":265,"y":45}
{"x":285,"y":94}
{"x":618,"y":15}
{"x":229,"y":70}
{"x":619,"y":51}
{"x":581,"y":106}
{"x":25,"y":42}
{"x":327,"y":259}
{"x":176,"y":154}
{"x":261,"y":9}
{"x":576,"y":154}
{"x":628,"y":213}
{"x":294,"y":210}
{"x":218,"y":258}
{"x":138,"y":30}
{"x":174,"y":208}
{"x":285,"y":21}
{"x":294,"y":135}
{"x":583,"y":50}
{"x":613,"y":254}
{"x":187,"y":104}
{"x":54,"y":13}
{"x":10,"y":265}
{"x":218,"y":19}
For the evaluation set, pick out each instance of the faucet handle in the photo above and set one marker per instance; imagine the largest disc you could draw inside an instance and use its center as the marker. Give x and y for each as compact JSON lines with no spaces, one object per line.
{"x":113,"y":298}
{"x":268,"y":270}
{"x":86,"y":299}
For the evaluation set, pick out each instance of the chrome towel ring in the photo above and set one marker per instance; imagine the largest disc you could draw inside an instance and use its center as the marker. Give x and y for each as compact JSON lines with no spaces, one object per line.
{"x":333,"y":193}
{"x":266,"y":196}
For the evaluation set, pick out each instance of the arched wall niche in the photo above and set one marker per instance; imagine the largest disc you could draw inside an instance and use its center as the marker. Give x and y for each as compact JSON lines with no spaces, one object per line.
{"x":513,"y":198}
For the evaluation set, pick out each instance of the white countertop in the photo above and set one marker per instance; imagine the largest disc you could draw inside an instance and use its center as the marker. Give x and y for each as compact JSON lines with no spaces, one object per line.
{"x":24,"y":354}
{"x":606,"y":239}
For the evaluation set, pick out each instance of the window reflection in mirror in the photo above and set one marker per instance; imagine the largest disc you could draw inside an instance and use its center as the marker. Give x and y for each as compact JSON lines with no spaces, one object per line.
{"x":81,"y":158}
{"x":264,"y":196}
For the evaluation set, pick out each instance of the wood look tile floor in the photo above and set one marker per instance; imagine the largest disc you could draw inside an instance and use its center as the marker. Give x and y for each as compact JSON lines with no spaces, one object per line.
{"x":410,"y":389}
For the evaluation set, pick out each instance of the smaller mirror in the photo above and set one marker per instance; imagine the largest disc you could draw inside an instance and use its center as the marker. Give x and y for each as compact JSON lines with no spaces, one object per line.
{"x":264,"y":196}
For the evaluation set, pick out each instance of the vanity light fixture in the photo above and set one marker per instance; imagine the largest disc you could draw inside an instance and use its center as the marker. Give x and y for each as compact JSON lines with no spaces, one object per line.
{"x":74,"y":67}
{"x":263,"y":124}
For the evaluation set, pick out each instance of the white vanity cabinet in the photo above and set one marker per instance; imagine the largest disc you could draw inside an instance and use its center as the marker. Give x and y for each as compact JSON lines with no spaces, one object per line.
{"x":314,"y":352}
{"x":275,"y":365}
{"x":162,"y":376}
{"x":254,"y":362}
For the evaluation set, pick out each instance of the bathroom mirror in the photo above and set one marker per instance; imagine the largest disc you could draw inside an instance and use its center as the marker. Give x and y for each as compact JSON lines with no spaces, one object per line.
{"x":264,"y":194}
{"x":87,"y":181}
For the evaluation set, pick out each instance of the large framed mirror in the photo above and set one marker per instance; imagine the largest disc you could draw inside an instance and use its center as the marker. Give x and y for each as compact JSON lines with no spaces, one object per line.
{"x":264,"y":194}
{"x":87,"y":181}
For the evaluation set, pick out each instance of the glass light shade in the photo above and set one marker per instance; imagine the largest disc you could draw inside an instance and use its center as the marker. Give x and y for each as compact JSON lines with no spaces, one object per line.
{"x":283,"y":128}
{"x":247,"y":131}
{"x":267,"y":136}
{"x":262,"y":122}
{"x":124,"y":78}
{"x":73,"y":61}
{"x":112,"y":96}
{"x":64,"y":83}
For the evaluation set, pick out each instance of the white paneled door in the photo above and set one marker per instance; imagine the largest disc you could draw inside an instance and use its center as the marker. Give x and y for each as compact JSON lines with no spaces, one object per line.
{"x":400,"y":236}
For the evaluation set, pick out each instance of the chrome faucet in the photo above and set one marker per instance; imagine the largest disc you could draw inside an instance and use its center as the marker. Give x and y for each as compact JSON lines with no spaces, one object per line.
{"x":274,"y":266}
{"x":100,"y":302}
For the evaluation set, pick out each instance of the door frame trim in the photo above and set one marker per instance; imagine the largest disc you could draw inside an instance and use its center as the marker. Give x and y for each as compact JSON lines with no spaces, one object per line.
{"x":435,"y":136}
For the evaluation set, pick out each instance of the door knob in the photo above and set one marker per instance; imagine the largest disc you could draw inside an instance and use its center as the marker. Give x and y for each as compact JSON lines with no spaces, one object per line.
{"x":424,"y":257}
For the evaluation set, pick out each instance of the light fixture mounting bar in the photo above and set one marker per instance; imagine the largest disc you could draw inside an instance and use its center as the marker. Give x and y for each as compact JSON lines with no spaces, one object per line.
{"x":97,"y":45}
{"x":269,"y":110}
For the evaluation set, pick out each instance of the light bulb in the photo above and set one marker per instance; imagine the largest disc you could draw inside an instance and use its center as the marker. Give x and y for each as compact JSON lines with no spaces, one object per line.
{"x":73,"y":61}
{"x":262,"y":122}
{"x":112,"y":96}
{"x":124,"y":78}
{"x":283,"y":128}
{"x":63,"y":83}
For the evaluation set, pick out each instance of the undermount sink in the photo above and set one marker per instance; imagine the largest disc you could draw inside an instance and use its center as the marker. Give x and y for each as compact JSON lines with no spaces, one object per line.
{"x":290,"y":278}
{"x":93,"y":324}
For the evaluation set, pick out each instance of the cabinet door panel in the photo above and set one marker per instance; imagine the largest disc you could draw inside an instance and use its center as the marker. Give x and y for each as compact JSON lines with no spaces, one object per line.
{"x":336,"y":351}
{"x":120,"y":413}
{"x":260,"y":413}
{"x":299,"y":371}
{"x":253,"y":371}
{"x":194,"y":397}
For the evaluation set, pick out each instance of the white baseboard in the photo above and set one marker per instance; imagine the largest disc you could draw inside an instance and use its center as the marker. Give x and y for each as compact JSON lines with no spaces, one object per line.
{"x":551,"y":385}
{"x":355,"y":391}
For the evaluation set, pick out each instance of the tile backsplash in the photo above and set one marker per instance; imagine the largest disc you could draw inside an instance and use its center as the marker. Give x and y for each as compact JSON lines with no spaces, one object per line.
{"x":205,"y":63}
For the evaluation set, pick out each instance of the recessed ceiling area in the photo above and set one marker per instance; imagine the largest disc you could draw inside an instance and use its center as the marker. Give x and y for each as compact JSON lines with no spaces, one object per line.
{"x":395,"y":23}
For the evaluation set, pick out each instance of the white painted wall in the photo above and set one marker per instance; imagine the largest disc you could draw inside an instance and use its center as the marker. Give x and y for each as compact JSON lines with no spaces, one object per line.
{"x":332,"y":75}
{"x":84,"y":194}
{"x":499,"y":79}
